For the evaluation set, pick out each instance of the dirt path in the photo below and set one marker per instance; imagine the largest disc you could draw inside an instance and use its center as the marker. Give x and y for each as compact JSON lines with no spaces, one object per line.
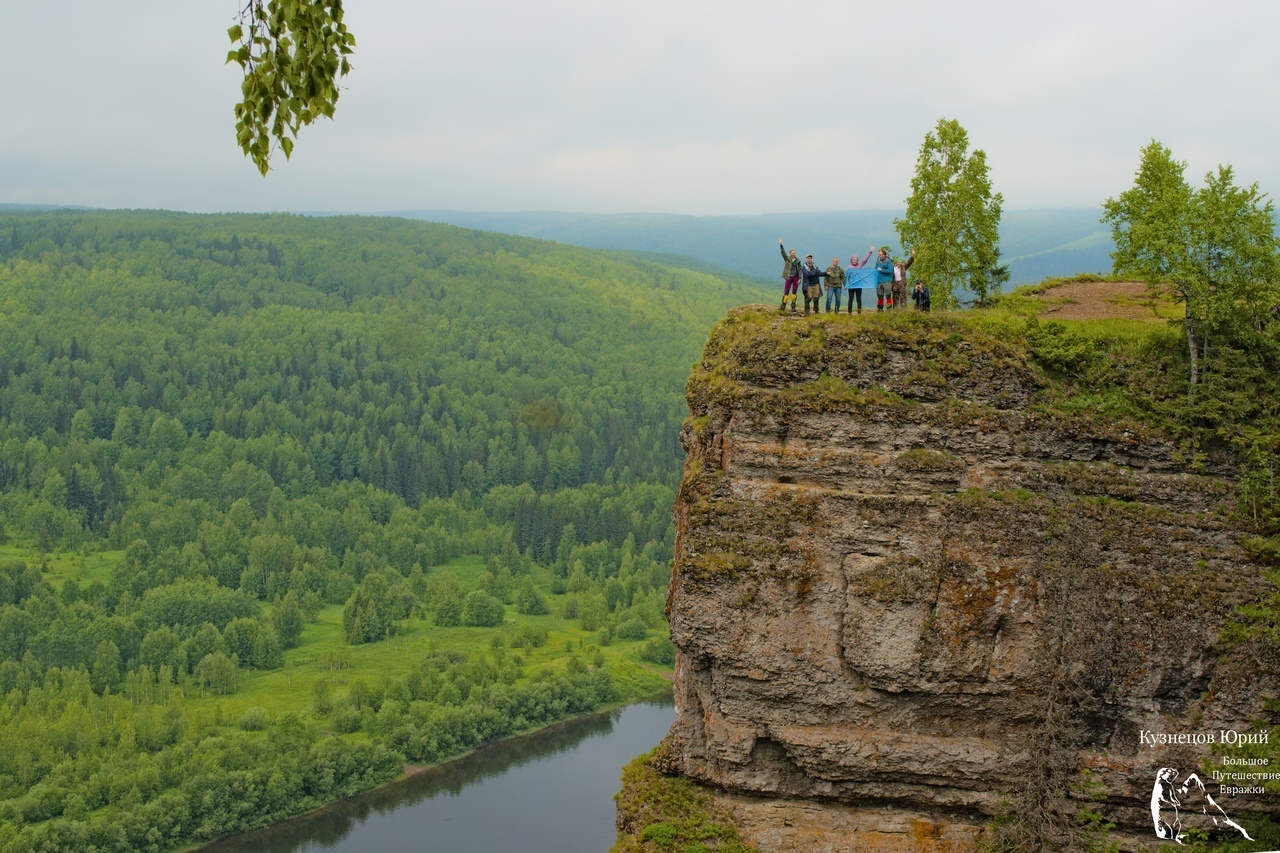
{"x":1095,"y":300}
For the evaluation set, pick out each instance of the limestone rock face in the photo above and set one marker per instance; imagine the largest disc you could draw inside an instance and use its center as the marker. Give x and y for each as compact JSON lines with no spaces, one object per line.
{"x":893,"y":572}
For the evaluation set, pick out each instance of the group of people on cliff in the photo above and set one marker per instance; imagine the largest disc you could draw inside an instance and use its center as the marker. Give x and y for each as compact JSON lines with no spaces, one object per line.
{"x":889,"y":278}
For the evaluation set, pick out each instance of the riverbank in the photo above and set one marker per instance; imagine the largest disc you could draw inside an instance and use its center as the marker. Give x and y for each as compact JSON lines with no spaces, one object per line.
{"x":543,"y":781}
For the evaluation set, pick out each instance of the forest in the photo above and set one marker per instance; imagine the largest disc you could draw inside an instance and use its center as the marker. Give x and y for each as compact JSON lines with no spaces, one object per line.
{"x":287,"y":503}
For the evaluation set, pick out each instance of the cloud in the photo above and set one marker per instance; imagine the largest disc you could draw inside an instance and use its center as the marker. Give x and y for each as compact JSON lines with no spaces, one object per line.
{"x":709,"y":107}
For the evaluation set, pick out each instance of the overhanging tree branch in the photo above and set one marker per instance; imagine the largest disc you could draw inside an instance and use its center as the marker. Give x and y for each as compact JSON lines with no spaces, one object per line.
{"x":292,"y":53}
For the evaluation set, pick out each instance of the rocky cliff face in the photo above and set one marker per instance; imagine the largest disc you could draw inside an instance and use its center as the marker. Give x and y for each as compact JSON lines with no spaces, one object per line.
{"x":905,"y":597}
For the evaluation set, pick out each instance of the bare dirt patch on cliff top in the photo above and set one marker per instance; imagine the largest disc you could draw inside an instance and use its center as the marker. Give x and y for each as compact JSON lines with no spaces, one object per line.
{"x":1099,"y":300}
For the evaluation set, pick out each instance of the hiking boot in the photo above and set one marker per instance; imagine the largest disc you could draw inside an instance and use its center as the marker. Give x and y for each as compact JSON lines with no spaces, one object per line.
{"x":783,"y":306}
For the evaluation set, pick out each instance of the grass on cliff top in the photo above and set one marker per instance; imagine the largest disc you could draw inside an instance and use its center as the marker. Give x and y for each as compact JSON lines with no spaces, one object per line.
{"x":1112,"y":368}
{"x":1130,"y":369}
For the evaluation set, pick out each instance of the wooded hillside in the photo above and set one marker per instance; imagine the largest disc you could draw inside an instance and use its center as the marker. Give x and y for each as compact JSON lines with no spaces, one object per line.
{"x":232,"y":448}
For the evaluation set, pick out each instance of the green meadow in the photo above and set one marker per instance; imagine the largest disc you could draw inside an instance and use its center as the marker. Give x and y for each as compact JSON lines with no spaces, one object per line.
{"x":324,"y":655}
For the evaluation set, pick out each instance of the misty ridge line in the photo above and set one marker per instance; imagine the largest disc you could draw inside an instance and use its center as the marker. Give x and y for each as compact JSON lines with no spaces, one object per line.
{"x":1036,"y":243}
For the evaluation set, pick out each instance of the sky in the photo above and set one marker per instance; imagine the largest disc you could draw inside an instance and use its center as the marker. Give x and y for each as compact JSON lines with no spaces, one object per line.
{"x":677,"y":106}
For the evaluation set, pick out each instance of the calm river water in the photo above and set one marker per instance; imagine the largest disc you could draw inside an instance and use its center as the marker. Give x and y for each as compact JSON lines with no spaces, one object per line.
{"x":548,"y":792}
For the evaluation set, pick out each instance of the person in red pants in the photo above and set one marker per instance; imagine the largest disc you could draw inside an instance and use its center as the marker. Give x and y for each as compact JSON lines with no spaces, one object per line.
{"x":790,"y":277}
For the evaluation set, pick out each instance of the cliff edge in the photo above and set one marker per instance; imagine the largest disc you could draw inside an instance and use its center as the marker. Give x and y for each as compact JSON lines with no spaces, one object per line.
{"x":910,"y":598}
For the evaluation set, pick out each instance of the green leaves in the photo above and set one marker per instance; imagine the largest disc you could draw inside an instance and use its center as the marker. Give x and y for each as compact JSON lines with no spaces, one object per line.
{"x":1212,"y":248}
{"x":952,"y":217}
{"x":292,"y":53}
{"x":1149,"y":221}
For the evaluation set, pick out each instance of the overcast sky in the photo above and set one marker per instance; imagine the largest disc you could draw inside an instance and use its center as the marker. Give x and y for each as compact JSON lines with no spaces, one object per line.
{"x":664,"y":105}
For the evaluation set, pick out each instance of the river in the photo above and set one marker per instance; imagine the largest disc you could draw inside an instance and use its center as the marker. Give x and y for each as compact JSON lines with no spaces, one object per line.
{"x":547,"y":792}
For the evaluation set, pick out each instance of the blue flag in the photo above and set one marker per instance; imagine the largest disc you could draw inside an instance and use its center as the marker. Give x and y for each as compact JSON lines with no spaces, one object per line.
{"x":863,"y":277}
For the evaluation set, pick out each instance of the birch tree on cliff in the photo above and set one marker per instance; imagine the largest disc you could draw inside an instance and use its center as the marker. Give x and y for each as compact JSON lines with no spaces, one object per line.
{"x":952,"y":218}
{"x":1213,"y":249}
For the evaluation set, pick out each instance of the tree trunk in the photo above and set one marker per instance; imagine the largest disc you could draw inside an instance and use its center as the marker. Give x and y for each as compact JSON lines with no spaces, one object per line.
{"x":1189,"y":325}
{"x":1204,"y":355}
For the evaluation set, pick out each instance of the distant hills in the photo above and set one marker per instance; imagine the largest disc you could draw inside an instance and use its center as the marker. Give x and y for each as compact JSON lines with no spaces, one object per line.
{"x":1035,"y":243}
{"x":11,"y":206}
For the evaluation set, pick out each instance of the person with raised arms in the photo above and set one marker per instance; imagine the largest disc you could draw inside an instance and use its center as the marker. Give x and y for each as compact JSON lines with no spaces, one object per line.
{"x":790,"y":277}
{"x":855,"y":276}
{"x":900,"y":268}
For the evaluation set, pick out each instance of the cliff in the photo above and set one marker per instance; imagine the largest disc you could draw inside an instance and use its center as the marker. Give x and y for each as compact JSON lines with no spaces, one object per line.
{"x":909,"y":596}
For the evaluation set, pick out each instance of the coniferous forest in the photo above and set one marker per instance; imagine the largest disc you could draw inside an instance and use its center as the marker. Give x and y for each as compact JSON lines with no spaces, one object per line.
{"x":287,"y":503}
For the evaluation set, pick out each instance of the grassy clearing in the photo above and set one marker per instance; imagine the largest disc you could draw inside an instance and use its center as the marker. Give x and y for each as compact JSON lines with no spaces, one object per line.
{"x":84,"y":566}
{"x":465,"y":569}
{"x":324,"y":655}
{"x":291,"y":687}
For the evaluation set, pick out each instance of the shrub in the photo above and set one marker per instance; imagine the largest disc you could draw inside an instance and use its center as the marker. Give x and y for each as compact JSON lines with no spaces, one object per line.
{"x":660,"y":651}
{"x":254,"y":719}
{"x":347,"y":719}
{"x":632,"y":629}
{"x":529,"y":636}
{"x":661,"y":833}
{"x":1058,"y":348}
{"x":449,"y":612}
{"x":322,"y":697}
{"x":528,"y":601}
{"x":481,"y":610}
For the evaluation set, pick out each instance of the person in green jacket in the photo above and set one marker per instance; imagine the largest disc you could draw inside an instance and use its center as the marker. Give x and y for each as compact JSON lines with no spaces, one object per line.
{"x":790,"y":277}
{"x":835,"y":283}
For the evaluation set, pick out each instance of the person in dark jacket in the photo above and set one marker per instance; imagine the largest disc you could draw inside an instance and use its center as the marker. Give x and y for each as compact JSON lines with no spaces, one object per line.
{"x":811,"y":280}
{"x":790,"y":277}
{"x":921,"y":296}
{"x":835,"y":283}
{"x":853,"y":278}
{"x":884,"y":280}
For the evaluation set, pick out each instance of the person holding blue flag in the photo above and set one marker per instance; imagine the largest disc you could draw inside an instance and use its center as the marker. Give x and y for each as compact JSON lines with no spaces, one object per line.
{"x":857,"y":276}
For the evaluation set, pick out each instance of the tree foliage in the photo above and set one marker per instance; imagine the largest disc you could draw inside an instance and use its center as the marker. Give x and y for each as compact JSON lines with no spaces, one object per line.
{"x":481,"y":610}
{"x":292,"y":53}
{"x":367,"y":616}
{"x":1212,"y":249}
{"x":262,"y":413}
{"x":953,"y":218}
